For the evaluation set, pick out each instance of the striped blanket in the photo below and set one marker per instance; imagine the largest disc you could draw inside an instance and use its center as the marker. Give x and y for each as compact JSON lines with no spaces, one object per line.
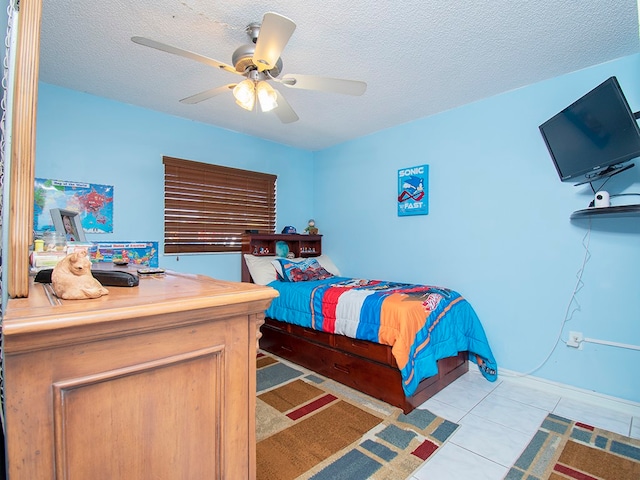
{"x":421,"y":323}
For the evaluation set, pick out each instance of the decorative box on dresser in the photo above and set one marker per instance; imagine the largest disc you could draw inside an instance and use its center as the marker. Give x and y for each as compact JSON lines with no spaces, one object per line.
{"x":155,"y":381}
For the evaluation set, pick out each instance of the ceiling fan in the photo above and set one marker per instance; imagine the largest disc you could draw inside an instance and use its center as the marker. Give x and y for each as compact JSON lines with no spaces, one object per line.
{"x":260,"y":63}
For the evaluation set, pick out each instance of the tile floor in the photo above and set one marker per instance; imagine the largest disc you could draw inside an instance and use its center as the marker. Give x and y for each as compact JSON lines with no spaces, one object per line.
{"x":497,"y":421}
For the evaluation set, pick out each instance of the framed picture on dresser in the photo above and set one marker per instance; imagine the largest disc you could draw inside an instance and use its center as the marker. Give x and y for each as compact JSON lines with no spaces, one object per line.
{"x":68,"y":223}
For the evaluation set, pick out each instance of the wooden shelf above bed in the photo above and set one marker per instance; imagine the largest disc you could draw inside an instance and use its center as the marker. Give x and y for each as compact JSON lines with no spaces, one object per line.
{"x":264,"y":244}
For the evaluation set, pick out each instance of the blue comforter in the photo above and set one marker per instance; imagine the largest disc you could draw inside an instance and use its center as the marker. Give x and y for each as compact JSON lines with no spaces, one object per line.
{"x":421,"y":323}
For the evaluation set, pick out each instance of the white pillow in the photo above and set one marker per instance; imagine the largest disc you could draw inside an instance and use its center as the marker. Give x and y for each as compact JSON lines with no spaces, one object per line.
{"x":328,"y":264}
{"x":261,"y":270}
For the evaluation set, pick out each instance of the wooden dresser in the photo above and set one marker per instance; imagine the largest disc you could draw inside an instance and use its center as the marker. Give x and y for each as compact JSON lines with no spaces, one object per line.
{"x":148,"y":382}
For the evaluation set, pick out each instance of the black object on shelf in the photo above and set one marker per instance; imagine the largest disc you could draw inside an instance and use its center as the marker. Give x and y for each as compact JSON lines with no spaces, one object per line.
{"x":615,"y":211}
{"x":108,"y":278}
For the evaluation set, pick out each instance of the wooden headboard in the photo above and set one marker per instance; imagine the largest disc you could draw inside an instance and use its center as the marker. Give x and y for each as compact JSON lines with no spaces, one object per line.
{"x":264,"y":244}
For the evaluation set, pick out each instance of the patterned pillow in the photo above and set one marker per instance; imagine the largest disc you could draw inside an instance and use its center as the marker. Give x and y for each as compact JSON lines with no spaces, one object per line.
{"x":305,"y":270}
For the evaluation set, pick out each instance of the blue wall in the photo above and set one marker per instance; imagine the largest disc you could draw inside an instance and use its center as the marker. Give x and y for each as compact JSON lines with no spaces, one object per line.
{"x":85,"y":138}
{"x":498,"y":230}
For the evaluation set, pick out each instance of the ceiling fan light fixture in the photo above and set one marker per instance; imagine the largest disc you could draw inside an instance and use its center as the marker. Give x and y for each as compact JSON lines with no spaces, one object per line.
{"x":245,"y":94}
{"x":267,"y":96}
{"x":259,"y":62}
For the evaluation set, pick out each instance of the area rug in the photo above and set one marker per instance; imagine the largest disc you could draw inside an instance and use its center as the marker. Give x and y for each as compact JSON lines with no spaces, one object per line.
{"x":564,"y":449}
{"x":310,"y":427}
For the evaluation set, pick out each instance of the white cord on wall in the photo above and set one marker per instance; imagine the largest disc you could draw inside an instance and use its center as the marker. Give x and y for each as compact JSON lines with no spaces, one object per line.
{"x":568,"y":313}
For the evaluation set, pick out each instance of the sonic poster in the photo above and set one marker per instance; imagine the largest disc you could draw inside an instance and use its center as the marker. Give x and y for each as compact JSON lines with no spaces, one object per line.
{"x":412,"y":191}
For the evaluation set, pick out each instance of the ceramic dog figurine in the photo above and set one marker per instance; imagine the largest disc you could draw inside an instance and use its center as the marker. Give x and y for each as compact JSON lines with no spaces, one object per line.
{"x":72,"y":280}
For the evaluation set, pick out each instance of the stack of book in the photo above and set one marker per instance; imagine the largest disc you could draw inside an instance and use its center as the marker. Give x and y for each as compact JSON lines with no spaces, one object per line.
{"x":40,"y":260}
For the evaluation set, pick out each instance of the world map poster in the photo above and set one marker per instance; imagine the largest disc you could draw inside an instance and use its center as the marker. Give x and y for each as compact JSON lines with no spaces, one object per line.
{"x":93,"y":202}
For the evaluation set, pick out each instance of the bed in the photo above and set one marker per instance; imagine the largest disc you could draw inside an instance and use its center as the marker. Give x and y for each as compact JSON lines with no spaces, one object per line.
{"x":398,"y":342}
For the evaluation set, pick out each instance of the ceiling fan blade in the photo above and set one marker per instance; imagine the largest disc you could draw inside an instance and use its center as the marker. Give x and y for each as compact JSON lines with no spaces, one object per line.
{"x":207,"y":94}
{"x":275,"y":32}
{"x":147,"y":42}
{"x":284,"y":111}
{"x":324,"y":84}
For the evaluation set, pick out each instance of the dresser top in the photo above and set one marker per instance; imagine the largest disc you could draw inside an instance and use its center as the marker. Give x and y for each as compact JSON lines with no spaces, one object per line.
{"x":155,"y":296}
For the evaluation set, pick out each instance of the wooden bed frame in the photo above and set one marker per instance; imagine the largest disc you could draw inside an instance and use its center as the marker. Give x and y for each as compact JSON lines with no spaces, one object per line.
{"x":365,"y":366}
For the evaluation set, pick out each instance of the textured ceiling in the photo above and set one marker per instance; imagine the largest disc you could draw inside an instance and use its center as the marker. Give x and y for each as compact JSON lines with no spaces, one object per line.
{"x":418,"y":57}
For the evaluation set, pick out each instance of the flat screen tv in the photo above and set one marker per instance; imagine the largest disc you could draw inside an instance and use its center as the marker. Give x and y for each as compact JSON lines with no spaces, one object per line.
{"x":594,"y":137}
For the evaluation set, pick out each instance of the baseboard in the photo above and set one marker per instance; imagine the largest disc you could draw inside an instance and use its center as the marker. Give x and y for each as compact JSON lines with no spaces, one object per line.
{"x":568,"y":391}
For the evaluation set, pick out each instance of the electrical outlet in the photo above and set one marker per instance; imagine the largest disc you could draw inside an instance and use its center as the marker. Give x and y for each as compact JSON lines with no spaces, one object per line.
{"x":575,"y":340}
